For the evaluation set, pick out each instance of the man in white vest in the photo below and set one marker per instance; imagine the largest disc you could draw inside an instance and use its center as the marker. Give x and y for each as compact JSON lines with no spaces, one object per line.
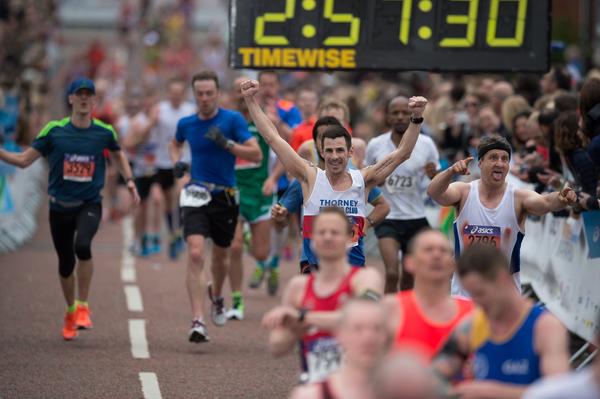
{"x":336,"y":185}
{"x":490,"y":210}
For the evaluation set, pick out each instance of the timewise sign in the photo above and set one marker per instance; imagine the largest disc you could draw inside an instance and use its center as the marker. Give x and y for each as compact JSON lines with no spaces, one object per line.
{"x":436,"y":35}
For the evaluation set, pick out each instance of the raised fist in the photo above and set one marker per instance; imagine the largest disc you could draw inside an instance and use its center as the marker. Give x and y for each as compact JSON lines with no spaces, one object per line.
{"x":249,"y":88}
{"x":417,"y":105}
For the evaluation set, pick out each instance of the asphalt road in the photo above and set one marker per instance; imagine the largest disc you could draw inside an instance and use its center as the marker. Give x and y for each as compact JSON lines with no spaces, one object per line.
{"x":35,"y":362}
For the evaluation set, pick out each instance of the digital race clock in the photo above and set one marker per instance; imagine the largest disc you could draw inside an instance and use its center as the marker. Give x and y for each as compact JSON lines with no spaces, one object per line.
{"x":437,"y":35}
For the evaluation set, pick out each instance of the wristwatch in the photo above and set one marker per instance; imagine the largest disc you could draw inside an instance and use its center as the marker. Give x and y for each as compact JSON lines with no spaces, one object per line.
{"x":230,"y":144}
{"x":302,"y":315}
{"x":416,"y":121}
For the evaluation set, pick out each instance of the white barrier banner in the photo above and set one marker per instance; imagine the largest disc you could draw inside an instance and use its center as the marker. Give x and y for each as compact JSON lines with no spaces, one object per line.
{"x":21,"y":194}
{"x":554,"y":259}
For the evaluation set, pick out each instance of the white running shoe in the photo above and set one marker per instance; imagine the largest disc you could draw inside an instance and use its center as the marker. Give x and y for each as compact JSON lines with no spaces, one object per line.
{"x":198,"y":332}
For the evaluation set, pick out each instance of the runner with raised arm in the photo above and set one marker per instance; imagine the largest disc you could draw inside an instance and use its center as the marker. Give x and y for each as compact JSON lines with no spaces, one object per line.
{"x":490,"y":210}
{"x":336,"y":185}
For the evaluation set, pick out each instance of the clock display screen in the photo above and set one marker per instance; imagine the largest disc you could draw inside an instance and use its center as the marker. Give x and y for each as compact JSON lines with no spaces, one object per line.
{"x":435,"y":35}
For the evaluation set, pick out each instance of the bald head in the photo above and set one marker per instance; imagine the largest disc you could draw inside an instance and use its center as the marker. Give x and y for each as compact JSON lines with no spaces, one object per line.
{"x":395,"y":101}
{"x":398,"y":114}
{"x":502,"y":89}
{"x":430,"y":258}
{"x":425,"y":236}
{"x":404,"y":375}
{"x":362,"y":333}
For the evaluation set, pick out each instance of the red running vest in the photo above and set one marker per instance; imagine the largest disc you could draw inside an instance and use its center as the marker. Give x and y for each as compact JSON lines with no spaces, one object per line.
{"x":419,"y":333}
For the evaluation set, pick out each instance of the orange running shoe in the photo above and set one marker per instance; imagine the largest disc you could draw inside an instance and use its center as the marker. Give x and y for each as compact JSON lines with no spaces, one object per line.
{"x":82,"y":318}
{"x":70,"y":328}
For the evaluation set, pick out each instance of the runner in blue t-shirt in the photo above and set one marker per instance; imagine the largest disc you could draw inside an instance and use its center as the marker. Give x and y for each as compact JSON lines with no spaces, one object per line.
{"x":75,"y":149}
{"x":210,"y":203}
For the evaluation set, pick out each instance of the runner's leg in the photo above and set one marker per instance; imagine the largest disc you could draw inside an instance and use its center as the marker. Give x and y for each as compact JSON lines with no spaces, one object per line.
{"x":388,"y":247}
{"x":88,"y":222}
{"x":219,"y":268}
{"x":195,"y":281}
{"x":62,"y":229}
{"x":156,"y":212}
{"x":236,"y":272}
{"x":141,"y":216}
{"x":260,"y":239}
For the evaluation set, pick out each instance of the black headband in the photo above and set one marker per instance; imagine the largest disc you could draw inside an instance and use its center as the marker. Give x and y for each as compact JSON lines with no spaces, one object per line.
{"x":496,"y":145}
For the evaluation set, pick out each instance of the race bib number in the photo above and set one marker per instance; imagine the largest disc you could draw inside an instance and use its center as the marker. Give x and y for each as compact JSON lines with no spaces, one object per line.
{"x":400,"y":184}
{"x":487,"y":235}
{"x":79,"y":168}
{"x":194,"y":195}
{"x":242,"y":164}
{"x":323,"y":357}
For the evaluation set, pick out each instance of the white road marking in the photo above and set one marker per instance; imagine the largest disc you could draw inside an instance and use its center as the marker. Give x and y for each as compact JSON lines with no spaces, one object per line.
{"x":150,"y":387}
{"x":134,"y":298}
{"x":128,"y":274}
{"x":137,"y":327}
{"x":137,"y":336}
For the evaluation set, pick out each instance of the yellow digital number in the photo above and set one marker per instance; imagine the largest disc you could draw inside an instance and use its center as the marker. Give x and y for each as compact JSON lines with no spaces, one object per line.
{"x":272,"y":17}
{"x":405,"y":20}
{"x":470,"y":20}
{"x":347,"y":18}
{"x":517,"y":40}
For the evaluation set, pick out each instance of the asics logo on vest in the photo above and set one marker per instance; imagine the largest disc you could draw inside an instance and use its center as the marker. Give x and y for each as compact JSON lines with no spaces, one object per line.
{"x":482,"y":230}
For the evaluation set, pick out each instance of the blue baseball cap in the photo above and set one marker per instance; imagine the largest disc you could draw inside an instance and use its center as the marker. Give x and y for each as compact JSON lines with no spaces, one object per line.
{"x":81,"y":83}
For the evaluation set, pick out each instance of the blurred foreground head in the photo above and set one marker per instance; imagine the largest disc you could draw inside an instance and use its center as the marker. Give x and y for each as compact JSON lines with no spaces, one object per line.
{"x":362,"y":333}
{"x":404,"y":375}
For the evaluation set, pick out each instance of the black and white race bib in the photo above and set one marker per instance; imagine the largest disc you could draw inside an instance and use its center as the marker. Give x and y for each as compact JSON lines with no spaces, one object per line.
{"x":194,"y":195}
{"x":323,"y":357}
{"x":400,"y":184}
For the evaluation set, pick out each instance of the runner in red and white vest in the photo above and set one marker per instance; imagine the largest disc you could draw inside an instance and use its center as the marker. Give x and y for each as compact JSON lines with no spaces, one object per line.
{"x":310,"y":309}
